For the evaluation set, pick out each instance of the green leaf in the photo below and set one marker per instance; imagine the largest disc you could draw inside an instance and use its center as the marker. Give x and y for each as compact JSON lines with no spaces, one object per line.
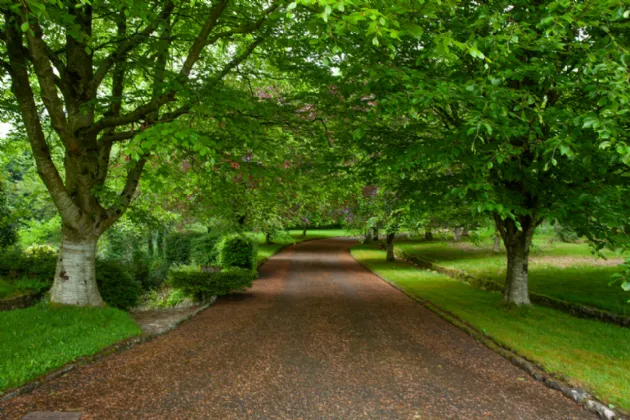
{"x":24,"y":27}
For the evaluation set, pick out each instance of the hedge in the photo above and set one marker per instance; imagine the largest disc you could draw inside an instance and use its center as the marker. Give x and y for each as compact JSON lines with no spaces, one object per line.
{"x":203,"y":249}
{"x":116,"y":284}
{"x":178,"y":246}
{"x":237,"y":251}
{"x":197,"y":283}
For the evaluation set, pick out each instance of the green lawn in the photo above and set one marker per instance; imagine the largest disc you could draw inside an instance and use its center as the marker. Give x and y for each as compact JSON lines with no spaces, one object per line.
{"x":38,"y":339}
{"x":560,"y":270}
{"x":589,"y":353}
{"x":265,"y":251}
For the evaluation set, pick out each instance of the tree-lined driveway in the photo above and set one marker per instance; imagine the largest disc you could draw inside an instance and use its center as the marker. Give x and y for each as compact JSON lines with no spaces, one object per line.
{"x":317,"y":336}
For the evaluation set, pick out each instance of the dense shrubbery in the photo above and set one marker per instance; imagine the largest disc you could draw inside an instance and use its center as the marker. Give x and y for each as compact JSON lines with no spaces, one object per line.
{"x":117,"y":285}
{"x":178,"y":247}
{"x":237,"y":251}
{"x":197,"y":283}
{"x":203,"y":250}
{"x":38,"y":265}
{"x":158,"y":273}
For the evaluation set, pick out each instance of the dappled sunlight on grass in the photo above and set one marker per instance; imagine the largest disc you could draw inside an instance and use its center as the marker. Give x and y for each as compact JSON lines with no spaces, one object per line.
{"x":590,"y":353}
{"x":562,"y":271}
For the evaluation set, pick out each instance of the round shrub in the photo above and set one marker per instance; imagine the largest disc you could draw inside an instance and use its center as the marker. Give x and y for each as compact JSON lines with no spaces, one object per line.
{"x":40,"y":251}
{"x":178,"y":245}
{"x":203,"y":249}
{"x":237,"y":251}
{"x":117,"y":285}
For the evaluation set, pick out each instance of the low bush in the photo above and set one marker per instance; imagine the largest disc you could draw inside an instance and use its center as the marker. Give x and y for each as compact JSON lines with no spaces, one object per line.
{"x":158,"y":274}
{"x":203,"y":249}
{"x":178,"y":247}
{"x":117,"y":285}
{"x":204,"y":284}
{"x":282,"y":237}
{"x":163,"y":298}
{"x":237,"y":251}
{"x":37,"y":265}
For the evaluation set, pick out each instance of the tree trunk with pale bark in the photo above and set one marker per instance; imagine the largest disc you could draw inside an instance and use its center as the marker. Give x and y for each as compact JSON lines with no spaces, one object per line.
{"x":517,"y":244}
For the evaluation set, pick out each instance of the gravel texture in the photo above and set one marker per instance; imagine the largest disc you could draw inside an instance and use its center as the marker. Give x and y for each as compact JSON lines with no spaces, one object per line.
{"x":317,"y":336}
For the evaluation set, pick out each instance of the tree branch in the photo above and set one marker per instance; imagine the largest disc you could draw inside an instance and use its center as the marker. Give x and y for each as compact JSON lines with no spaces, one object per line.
{"x":48,"y":87}
{"x":23,"y":92}
{"x":125,"y":47}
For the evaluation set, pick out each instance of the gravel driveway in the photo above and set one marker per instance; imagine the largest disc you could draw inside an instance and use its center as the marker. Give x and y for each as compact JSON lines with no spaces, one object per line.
{"x":317,"y":336}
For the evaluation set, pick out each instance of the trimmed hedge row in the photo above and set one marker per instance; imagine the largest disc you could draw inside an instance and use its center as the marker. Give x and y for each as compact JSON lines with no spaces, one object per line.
{"x":237,"y":251}
{"x":178,"y":246}
{"x":203,"y":249}
{"x":197,"y":283}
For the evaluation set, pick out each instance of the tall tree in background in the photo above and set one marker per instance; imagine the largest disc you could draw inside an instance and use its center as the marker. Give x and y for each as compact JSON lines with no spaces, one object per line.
{"x":102,"y":73}
{"x":524,"y":105}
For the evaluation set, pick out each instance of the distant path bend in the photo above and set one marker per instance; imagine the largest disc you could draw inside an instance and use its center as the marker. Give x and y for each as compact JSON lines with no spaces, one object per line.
{"x":317,"y":336}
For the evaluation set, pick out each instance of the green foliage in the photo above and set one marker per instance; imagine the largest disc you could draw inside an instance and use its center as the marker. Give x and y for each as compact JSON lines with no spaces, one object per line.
{"x":165,"y":297}
{"x":117,"y":285}
{"x":196,"y":283}
{"x":158,"y":274}
{"x":40,"y":251}
{"x":8,"y":232}
{"x":237,"y":251}
{"x":41,"y":267}
{"x":203,"y":250}
{"x":566,"y":234}
{"x":178,"y":247}
{"x":22,"y":286}
{"x":37,"y":340}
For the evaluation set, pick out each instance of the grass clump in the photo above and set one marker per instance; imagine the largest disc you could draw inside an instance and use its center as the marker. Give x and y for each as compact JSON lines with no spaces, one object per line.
{"x":588,"y":353}
{"x":40,"y":339}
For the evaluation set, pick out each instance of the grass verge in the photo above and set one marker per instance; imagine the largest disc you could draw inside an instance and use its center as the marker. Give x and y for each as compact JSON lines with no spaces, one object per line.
{"x":39,"y":339}
{"x":562,"y":271}
{"x":586,"y":353}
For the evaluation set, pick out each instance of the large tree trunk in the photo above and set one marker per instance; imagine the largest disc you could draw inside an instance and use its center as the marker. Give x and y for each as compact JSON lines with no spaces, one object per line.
{"x":267,"y":238}
{"x":374,"y":234}
{"x":368,"y":237}
{"x":428,"y":235}
{"x":389,"y":246}
{"x":75,"y":276}
{"x":304,"y":231}
{"x":517,"y":243}
{"x":457,"y":234}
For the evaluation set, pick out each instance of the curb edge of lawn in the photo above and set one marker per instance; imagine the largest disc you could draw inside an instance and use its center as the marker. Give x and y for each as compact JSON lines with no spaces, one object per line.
{"x":577,"y":395}
{"x":115,"y":348}
{"x":572,"y":308}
